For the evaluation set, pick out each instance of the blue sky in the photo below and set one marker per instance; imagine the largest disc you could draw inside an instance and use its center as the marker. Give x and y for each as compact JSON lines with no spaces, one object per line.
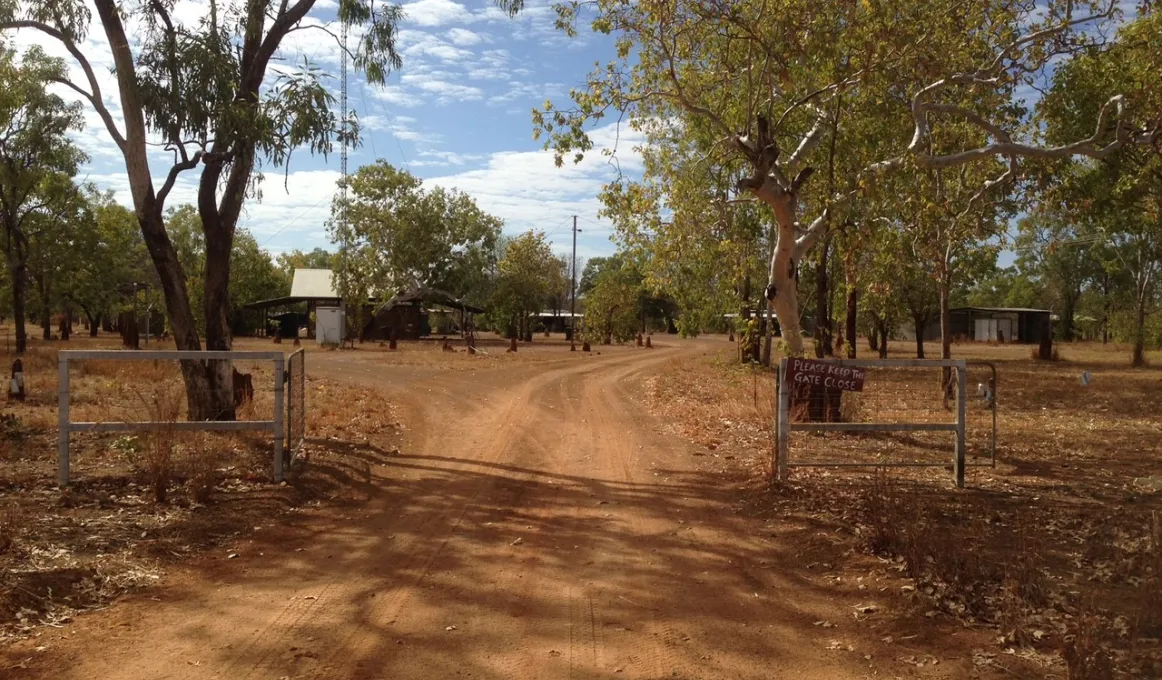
{"x":458,"y":114}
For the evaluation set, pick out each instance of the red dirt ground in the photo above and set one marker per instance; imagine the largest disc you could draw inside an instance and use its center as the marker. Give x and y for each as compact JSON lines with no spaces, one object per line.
{"x":536,"y":523}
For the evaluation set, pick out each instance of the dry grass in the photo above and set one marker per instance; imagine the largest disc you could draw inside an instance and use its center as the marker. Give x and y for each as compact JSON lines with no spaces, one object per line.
{"x":1056,"y":548}
{"x":108,"y":534}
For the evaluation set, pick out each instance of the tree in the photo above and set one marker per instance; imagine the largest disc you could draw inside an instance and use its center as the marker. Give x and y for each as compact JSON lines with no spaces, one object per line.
{"x":758,"y":83}
{"x":113,"y":260}
{"x":525,"y":277}
{"x":612,"y":305}
{"x":1060,"y":258}
{"x":205,"y":91}
{"x":255,"y":276}
{"x":410,"y":237}
{"x":55,"y":246}
{"x":37,"y":162}
{"x":1119,"y":195}
{"x":297,"y":259}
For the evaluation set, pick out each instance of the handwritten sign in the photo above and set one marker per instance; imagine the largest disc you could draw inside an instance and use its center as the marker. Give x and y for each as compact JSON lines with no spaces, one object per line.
{"x":825,"y":374}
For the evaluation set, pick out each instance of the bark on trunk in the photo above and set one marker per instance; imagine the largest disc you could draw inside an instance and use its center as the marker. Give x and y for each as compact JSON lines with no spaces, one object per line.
{"x":219,"y":374}
{"x":823,"y":347}
{"x":45,"y":308}
{"x":883,"y":329}
{"x":181,"y":318}
{"x":851,"y":281}
{"x":873,"y":340}
{"x":919,"y":322}
{"x":19,"y":286}
{"x":1139,"y":358}
{"x":850,"y":324}
{"x":94,"y":324}
{"x":945,"y":333}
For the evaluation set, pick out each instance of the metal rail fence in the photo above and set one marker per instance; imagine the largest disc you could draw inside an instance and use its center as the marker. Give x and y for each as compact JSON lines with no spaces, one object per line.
{"x":276,"y":425}
{"x":900,"y":396}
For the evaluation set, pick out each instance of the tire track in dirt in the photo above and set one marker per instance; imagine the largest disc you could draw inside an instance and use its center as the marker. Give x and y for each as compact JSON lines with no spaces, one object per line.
{"x":510,"y":445}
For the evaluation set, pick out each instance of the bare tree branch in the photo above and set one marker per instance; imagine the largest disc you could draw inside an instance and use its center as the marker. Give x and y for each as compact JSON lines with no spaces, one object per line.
{"x":94,"y":95}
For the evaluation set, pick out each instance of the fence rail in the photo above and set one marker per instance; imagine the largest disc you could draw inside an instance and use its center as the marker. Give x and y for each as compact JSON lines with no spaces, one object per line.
{"x":277,"y":425}
{"x":784,"y":426}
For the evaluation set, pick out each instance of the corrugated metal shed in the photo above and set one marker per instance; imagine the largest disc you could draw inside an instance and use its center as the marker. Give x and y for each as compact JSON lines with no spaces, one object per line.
{"x":313,"y":283}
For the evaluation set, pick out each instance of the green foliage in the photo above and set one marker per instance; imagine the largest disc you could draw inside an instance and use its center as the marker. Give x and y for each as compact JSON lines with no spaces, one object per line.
{"x":296,"y":259}
{"x":613,"y":307}
{"x":253,"y":275}
{"x":398,"y":236}
{"x":526,"y":274}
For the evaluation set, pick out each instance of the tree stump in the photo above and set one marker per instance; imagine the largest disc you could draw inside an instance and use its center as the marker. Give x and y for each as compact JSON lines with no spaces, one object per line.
{"x":16,"y":387}
{"x":649,"y":345}
{"x":512,"y":344}
{"x":639,"y":340}
{"x":585,"y":346}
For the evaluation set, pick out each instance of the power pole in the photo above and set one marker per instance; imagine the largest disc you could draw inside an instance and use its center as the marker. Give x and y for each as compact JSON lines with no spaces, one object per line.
{"x":573,"y":304}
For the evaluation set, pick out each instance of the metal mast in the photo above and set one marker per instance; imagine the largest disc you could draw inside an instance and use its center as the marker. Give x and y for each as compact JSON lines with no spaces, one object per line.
{"x":343,"y":119}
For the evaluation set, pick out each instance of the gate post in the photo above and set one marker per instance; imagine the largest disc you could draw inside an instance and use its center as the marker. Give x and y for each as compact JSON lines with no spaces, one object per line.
{"x":63,"y":421}
{"x":279,"y":418}
{"x":961,"y":409}
{"x":783,"y":421}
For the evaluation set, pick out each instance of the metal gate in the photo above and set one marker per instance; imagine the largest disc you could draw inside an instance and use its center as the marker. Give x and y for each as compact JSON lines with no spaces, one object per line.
{"x":902,"y":396}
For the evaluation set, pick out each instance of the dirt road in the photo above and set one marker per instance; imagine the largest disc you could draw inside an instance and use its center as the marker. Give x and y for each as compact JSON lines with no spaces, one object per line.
{"x":534,"y":525}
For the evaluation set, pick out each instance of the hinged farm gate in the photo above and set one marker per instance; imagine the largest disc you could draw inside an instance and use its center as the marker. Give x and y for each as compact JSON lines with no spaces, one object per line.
{"x":286,"y":425}
{"x":784,"y":424}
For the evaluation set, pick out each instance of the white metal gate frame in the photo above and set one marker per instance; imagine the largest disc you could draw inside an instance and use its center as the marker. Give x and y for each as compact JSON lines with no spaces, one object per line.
{"x":276,"y":426}
{"x":784,"y":426}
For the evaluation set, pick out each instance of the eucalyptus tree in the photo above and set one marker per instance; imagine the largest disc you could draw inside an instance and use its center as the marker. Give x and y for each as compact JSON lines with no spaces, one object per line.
{"x":1118,"y":196}
{"x":416,"y":236}
{"x":203,"y":90}
{"x":763,"y":77}
{"x":37,"y":162}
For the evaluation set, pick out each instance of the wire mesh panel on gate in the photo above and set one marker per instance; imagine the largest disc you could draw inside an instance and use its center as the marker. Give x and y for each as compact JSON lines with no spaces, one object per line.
{"x":296,"y":411}
{"x":906,"y":413}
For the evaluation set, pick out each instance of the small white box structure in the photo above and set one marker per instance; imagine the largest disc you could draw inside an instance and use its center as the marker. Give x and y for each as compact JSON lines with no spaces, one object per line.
{"x":329,"y":324}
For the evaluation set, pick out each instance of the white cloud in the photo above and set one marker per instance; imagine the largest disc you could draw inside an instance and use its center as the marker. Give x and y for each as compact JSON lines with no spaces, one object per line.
{"x":528,"y":191}
{"x":436,"y":13}
{"x":450,"y":92}
{"x":464,"y":38}
{"x":431,"y":158}
{"x":397,"y":96}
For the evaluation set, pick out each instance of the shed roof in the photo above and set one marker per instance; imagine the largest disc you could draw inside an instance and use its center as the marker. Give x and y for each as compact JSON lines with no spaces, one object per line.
{"x":1000,"y":309}
{"x":313,"y":283}
{"x":435,"y":296}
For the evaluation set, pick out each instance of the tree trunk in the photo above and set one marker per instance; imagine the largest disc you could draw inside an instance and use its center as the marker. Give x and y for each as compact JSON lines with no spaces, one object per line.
{"x":919,"y":322}
{"x":782,"y":290}
{"x":216,"y":303}
{"x":45,"y":308}
{"x":67,"y":324}
{"x":945,"y":333}
{"x":882,"y":326}
{"x":19,"y":284}
{"x":1105,"y":319}
{"x":823,"y":346}
{"x":94,"y":324}
{"x":1139,"y":358}
{"x":1067,"y":314}
{"x":202,"y":405}
{"x":851,"y":281}
{"x":873,"y":340}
